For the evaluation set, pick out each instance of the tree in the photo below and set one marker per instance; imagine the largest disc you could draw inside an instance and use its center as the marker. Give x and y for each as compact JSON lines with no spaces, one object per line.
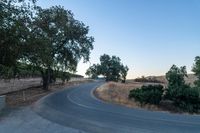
{"x":124,"y":72}
{"x":93,"y":71}
{"x":185,"y":97}
{"x":47,"y":39}
{"x":196,"y":70}
{"x":110,"y":67}
{"x":175,"y":76}
{"x":57,"y":40}
{"x":15,"y":17}
{"x":176,"y":83}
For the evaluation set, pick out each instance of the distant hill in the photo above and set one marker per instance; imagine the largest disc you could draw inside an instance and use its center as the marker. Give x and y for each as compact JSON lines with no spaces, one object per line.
{"x":190,"y":79}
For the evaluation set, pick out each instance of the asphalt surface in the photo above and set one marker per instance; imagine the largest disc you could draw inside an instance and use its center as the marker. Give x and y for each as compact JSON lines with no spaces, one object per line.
{"x":25,"y":120}
{"x":77,"y":108}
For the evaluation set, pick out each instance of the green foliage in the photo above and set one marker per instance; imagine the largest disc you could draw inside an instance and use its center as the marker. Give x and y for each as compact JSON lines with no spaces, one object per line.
{"x":183,"y":96}
{"x":48,"y":39}
{"x":59,"y":40}
{"x":188,"y":99}
{"x":93,"y":71}
{"x":175,"y":76}
{"x":150,"y":80}
{"x":196,"y":70}
{"x":124,"y":72}
{"x":15,"y":21}
{"x":20,"y":70}
{"x":151,"y":94}
{"x":110,"y":67}
{"x":6,"y":72}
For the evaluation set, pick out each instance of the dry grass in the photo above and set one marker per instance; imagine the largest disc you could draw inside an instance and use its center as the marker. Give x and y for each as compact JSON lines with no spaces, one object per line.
{"x":189,"y":80}
{"x":118,"y":93}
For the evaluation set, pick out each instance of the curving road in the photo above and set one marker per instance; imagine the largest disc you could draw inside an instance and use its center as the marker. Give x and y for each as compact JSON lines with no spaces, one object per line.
{"x":78,"y":108}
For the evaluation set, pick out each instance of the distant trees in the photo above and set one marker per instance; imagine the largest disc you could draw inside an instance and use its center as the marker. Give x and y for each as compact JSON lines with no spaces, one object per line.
{"x":124,"y":72}
{"x":110,"y":67}
{"x":196,"y":70}
{"x":50,"y":39}
{"x":93,"y":71}
{"x":148,"y":79}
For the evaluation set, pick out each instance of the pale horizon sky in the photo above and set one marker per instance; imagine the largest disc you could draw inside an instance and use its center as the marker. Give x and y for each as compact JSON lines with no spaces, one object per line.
{"x":148,"y":35}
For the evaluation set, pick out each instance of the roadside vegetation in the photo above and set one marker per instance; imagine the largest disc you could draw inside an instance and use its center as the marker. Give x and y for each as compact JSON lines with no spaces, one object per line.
{"x":148,"y":79}
{"x":182,"y":95}
{"x":151,"y":94}
{"x":49,"y":43}
{"x":40,"y":41}
{"x":110,"y":67}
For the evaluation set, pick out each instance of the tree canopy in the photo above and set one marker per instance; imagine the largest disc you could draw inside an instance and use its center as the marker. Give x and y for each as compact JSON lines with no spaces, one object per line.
{"x":93,"y":71}
{"x":48,"y":39}
{"x":196,"y":70}
{"x":176,"y":82}
{"x":175,"y":76}
{"x":110,"y":67}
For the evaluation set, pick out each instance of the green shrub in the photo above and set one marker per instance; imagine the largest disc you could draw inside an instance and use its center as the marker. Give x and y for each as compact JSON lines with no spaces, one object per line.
{"x":188,"y":99}
{"x":147,"y":94}
{"x":185,"y":97}
{"x":173,"y":91}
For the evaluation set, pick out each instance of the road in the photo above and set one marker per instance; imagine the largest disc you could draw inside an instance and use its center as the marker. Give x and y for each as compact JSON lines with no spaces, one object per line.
{"x":78,"y":108}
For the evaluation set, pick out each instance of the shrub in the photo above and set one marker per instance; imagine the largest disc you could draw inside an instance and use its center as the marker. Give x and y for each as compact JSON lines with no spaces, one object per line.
{"x":185,"y":97}
{"x":150,"y":80}
{"x":173,"y":91}
{"x":188,"y":99}
{"x":147,"y":94}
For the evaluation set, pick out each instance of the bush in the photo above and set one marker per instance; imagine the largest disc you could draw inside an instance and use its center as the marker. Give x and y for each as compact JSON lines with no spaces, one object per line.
{"x":173,"y":91}
{"x":185,"y":97}
{"x":188,"y":99}
{"x":147,"y":94}
{"x":150,"y":80}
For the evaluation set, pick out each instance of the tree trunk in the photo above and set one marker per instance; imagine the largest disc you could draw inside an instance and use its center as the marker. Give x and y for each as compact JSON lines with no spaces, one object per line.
{"x":45,"y":79}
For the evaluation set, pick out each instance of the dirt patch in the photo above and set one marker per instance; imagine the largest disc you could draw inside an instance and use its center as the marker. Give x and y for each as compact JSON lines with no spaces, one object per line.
{"x":30,"y":95}
{"x":117,"y":93}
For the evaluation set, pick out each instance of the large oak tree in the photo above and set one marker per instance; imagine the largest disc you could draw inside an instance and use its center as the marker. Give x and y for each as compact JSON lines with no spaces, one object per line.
{"x":47,"y":39}
{"x":58,"y":41}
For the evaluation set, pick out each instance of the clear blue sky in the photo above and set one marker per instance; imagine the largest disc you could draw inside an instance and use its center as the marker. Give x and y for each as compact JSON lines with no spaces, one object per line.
{"x":148,"y":35}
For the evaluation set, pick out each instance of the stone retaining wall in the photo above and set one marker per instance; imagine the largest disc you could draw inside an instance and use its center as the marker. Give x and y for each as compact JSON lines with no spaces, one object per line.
{"x":11,"y":85}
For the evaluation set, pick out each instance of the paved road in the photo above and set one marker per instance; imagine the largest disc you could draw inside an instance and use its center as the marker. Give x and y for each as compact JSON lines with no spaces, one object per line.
{"x":24,"y":120}
{"x":78,"y":108}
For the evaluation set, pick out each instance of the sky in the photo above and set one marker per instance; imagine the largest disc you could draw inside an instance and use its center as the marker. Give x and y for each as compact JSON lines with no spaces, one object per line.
{"x":148,"y":35}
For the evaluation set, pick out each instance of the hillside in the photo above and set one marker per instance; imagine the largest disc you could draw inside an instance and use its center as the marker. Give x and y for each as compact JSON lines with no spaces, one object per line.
{"x":190,"y":79}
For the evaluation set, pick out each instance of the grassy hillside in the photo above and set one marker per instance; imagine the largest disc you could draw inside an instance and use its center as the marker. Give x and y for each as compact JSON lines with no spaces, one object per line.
{"x":190,"y":79}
